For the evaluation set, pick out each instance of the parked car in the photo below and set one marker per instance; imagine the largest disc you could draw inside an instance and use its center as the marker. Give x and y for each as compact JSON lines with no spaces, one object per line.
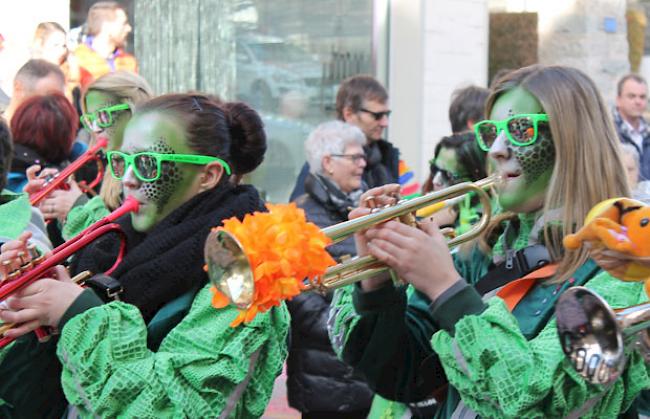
{"x":268,"y":67}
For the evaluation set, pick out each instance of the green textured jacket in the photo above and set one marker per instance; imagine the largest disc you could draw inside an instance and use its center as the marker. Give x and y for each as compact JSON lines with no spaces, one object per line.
{"x":83,"y":214}
{"x":501,"y":364}
{"x":187,"y":362}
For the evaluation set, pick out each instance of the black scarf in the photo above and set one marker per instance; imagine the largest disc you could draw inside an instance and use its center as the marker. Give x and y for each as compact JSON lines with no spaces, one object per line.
{"x":325,"y":192}
{"x":168,"y":261}
{"x":376,"y":173}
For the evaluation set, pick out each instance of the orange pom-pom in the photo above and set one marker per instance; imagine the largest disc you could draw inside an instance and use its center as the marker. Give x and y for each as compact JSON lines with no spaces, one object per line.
{"x":283,"y":249}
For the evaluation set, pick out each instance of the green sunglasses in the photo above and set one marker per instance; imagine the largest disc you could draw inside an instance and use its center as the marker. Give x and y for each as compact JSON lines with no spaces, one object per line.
{"x":521,"y":130}
{"x":102,"y":118}
{"x":147,"y":165}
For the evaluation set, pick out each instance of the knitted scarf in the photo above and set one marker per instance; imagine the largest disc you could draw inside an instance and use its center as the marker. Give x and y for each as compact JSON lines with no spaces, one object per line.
{"x":328,"y":194}
{"x":167,"y":261}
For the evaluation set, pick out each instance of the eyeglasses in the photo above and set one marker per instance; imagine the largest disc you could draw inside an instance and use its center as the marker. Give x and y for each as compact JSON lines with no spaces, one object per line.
{"x":102,"y":118}
{"x":521,"y":130}
{"x":377,"y":115}
{"x":356,"y":158}
{"x":147,"y":166}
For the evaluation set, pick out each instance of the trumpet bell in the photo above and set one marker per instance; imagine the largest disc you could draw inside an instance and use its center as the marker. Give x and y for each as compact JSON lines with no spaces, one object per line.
{"x":589,"y":334}
{"x":229,"y":268}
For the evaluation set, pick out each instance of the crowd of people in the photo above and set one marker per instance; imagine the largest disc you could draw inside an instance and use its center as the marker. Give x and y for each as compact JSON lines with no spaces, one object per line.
{"x":457,"y":336}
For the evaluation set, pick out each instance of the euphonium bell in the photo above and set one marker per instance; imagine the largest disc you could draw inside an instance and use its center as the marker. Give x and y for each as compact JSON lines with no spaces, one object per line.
{"x":594,"y":337}
{"x":230,"y":271}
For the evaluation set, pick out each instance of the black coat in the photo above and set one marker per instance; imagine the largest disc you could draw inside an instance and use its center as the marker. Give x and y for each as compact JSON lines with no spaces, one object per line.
{"x":317,"y":381}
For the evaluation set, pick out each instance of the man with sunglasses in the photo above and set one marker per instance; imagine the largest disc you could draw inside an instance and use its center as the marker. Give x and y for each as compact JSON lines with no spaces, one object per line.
{"x":362,"y":101}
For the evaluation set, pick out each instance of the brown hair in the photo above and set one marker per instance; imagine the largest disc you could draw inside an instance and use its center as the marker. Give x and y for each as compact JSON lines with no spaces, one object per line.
{"x":36,"y":69}
{"x":232,"y":131}
{"x":100,"y":12}
{"x":354,"y":90}
{"x":588,"y":167}
{"x":467,"y":104}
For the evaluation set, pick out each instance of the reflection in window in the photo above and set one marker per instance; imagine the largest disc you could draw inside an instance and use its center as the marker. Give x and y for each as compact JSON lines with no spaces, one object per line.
{"x":291,"y":55}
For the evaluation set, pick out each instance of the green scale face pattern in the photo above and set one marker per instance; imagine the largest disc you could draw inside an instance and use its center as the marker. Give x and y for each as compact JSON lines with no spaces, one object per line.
{"x":534,"y":162}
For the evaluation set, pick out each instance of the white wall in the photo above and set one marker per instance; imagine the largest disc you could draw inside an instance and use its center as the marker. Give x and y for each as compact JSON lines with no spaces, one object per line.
{"x":436,"y":46}
{"x":18,"y":21}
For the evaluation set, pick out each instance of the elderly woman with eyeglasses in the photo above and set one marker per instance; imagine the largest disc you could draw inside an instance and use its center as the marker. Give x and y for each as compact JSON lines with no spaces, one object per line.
{"x":333,"y":186}
{"x":107,"y":105}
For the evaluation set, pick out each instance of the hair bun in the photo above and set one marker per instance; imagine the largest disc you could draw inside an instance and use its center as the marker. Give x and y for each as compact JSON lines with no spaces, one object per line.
{"x":248,"y":137}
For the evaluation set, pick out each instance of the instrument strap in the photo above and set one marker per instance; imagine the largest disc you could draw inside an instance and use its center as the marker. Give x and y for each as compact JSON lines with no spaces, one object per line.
{"x":517,"y":265}
{"x":513,"y":292}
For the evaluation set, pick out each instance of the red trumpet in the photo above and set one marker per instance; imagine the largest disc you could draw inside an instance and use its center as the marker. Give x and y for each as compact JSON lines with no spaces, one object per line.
{"x":41,"y":266}
{"x":58,"y":181}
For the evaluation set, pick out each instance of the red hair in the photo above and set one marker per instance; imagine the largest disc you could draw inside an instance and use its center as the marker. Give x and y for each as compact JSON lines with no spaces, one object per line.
{"x":47,"y":124}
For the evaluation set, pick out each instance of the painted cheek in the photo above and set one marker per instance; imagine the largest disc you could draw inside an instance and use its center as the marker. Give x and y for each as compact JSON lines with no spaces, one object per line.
{"x":536,"y":159}
{"x":161,"y":191}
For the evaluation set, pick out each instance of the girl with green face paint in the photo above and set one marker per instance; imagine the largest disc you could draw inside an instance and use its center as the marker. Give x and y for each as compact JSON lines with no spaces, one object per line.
{"x":550,"y":140}
{"x":177,"y":159}
{"x":107,"y":105}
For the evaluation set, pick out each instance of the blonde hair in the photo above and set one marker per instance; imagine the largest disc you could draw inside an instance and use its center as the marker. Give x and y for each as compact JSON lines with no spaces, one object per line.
{"x":126,"y":87}
{"x":588,"y":167}
{"x":44,"y":29}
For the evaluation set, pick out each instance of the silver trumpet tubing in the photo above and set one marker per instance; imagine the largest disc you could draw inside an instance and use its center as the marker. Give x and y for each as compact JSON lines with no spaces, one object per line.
{"x":594,"y":336}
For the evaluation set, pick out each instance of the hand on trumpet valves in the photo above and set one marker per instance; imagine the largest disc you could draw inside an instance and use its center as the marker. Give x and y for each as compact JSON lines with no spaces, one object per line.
{"x":419,"y":256}
{"x":14,"y":254}
{"x":37,"y":178}
{"x":59,"y":203}
{"x":42,"y":303}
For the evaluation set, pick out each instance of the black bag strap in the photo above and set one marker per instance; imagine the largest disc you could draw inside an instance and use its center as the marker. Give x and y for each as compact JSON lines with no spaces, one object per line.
{"x":517,"y":265}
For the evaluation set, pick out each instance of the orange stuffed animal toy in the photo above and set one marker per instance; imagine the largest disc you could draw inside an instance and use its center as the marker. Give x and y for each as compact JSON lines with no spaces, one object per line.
{"x":622,"y":225}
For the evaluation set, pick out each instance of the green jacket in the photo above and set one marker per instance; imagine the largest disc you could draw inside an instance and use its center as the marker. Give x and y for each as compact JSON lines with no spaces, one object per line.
{"x":84,"y":213}
{"x":502,"y":364}
{"x":17,"y":215}
{"x":187,"y":362}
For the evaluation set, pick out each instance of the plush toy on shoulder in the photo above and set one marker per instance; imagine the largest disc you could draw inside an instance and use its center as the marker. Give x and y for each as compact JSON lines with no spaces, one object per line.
{"x":618,"y":231}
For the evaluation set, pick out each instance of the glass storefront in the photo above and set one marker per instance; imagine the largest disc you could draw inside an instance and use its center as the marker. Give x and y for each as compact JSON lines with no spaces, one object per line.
{"x":291,"y":56}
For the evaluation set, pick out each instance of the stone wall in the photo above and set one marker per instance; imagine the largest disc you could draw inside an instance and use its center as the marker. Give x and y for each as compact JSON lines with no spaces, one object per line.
{"x":588,"y":34}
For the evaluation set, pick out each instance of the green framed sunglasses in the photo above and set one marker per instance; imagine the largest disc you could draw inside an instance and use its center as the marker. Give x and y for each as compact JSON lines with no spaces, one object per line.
{"x":102,"y":118}
{"x":147,"y":165}
{"x":521,"y":130}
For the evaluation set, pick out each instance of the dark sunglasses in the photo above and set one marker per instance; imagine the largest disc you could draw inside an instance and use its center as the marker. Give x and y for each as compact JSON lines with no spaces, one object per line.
{"x":521,"y":130}
{"x":377,"y":115}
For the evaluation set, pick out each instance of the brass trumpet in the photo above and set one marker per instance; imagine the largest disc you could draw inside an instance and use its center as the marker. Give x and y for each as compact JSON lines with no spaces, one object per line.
{"x":594,"y":337}
{"x":230,"y":272}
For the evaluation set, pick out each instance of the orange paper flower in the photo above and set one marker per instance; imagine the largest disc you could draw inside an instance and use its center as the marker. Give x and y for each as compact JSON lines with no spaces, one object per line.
{"x":283,"y":249}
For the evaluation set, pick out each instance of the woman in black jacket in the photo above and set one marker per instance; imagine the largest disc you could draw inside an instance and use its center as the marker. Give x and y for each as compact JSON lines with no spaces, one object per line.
{"x":319,"y":385}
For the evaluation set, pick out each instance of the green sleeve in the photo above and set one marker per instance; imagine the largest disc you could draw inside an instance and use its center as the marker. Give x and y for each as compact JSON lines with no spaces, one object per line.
{"x":387,"y":339}
{"x":82,"y":216}
{"x":201,"y":367}
{"x":498,"y":373}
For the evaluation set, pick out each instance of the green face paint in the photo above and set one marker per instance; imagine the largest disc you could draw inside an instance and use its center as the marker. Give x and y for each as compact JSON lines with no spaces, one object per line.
{"x":526,"y":171}
{"x":449,"y":171}
{"x":96,"y":100}
{"x":157,"y":132}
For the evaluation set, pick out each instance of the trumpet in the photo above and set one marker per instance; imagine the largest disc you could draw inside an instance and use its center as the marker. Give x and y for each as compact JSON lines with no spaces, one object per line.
{"x":58,"y":181}
{"x":594,"y":337}
{"x":40,"y":266}
{"x":230,"y":272}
